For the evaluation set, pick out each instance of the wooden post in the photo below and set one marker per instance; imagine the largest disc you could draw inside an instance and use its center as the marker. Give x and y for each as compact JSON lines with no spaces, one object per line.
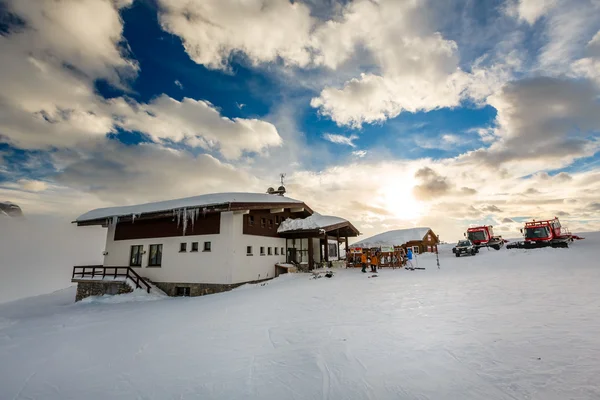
{"x":326,"y":249}
{"x":347,"y":255}
{"x":311,"y":258}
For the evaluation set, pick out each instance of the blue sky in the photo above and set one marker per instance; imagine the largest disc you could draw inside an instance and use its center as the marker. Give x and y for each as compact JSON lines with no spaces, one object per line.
{"x":431,"y":112}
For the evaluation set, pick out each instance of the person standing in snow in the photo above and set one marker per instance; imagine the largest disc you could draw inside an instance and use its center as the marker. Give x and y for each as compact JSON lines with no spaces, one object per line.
{"x":409,"y":257}
{"x":363,"y":262}
{"x":374,"y":262}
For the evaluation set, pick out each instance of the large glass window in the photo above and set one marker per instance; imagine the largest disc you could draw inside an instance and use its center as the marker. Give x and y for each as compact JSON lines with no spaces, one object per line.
{"x":537,"y":233}
{"x":476,"y":235}
{"x":155,"y":259}
{"x":135,"y":259}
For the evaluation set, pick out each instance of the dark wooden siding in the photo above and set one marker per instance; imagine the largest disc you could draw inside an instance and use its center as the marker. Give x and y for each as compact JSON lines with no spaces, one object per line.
{"x":429,"y":240}
{"x":269,"y":230}
{"x":208,"y":224}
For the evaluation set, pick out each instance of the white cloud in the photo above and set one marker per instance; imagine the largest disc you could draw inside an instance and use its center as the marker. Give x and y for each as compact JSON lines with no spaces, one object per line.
{"x":530,"y":10}
{"x":196,"y":122}
{"x":265,"y":31}
{"x":341,"y":139}
{"x":178,"y":84}
{"x":359,"y":153}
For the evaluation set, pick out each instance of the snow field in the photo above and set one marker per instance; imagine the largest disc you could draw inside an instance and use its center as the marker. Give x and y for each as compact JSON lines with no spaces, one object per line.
{"x":508,"y":324}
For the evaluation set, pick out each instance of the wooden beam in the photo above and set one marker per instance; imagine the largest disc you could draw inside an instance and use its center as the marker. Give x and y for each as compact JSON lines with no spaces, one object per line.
{"x":311,"y":258}
{"x":326,"y":249}
{"x":277,"y":210}
{"x":297,"y":209}
{"x":242,"y":212}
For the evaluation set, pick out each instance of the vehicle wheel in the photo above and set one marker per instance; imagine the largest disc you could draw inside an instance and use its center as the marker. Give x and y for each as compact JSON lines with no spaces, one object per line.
{"x":473,"y":252}
{"x":496,"y":247}
{"x":457,"y":254}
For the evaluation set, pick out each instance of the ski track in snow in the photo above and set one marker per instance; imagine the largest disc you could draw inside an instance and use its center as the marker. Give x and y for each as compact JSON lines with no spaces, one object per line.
{"x":503,"y":325}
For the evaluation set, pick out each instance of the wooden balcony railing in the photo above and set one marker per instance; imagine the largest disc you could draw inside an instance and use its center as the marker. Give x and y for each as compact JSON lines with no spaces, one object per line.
{"x":99,"y":271}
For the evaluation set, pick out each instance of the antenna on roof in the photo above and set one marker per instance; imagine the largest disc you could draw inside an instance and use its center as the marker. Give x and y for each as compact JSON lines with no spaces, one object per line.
{"x":281,"y":189}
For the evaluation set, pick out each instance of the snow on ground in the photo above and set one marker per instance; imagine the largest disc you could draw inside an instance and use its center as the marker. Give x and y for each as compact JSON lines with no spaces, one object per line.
{"x":508,"y":324}
{"x":37,"y":254}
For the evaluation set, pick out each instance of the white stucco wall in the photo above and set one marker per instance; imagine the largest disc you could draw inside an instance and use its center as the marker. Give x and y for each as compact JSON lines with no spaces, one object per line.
{"x":193,"y":267}
{"x":254,"y":267}
{"x":226,"y":263}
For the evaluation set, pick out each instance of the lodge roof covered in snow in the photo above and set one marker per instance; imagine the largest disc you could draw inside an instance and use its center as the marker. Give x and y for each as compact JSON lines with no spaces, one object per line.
{"x":396,"y":237}
{"x":317,"y":222}
{"x":206,"y":202}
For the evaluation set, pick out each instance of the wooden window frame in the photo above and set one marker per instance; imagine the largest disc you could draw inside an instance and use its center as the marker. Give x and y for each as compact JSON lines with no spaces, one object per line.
{"x":276,"y":250}
{"x":262,"y":250}
{"x":183,"y":247}
{"x":207,"y":249}
{"x":159,"y":264}
{"x":194,"y":247}
{"x":263,"y":222}
{"x":269,"y":251}
{"x":139,"y":255}
{"x":250,"y":220}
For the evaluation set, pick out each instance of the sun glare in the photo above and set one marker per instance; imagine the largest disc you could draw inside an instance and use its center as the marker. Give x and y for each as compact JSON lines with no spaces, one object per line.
{"x":399,"y":200}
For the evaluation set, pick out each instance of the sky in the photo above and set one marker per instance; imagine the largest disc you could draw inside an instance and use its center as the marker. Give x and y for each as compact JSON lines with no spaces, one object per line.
{"x":390,"y":113}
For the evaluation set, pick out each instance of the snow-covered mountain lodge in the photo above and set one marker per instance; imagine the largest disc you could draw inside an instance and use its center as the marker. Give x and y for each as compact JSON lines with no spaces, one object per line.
{"x":210,"y":243}
{"x":420,"y":240}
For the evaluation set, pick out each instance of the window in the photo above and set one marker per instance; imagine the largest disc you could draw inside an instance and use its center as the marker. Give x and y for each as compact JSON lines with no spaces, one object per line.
{"x":416,"y":249}
{"x":182,"y":247}
{"x":248,"y":250}
{"x":155,"y":259}
{"x":429,"y":249}
{"x":282,"y":252}
{"x":135,"y":259}
{"x":429,"y":237}
{"x":262,"y":251}
{"x":207,"y":246}
{"x":270,"y":251}
{"x":194,"y":246}
{"x":251,"y":220}
{"x":276,"y":251}
{"x":333,"y":250}
{"x":270,"y":223}
{"x":182,"y":291}
{"x":263,"y":222}
{"x":277,"y":220}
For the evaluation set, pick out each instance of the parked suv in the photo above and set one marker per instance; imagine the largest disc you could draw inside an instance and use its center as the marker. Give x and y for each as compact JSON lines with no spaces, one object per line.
{"x":465,"y":247}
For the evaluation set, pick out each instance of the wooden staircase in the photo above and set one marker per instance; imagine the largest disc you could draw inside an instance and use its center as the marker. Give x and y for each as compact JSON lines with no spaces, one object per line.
{"x":102,"y":273}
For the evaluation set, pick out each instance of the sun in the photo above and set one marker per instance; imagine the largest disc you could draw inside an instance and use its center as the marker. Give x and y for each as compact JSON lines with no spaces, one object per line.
{"x":398,"y":199}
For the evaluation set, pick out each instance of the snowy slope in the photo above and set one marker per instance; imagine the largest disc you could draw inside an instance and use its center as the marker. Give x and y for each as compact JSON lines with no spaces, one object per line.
{"x":37,"y":254}
{"x":393,"y":238}
{"x":503,"y":325}
{"x":315,"y":221}
{"x":196,"y":201}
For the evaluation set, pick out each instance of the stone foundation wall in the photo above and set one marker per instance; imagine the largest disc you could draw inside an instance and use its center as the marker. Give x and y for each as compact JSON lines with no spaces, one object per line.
{"x":87,"y":289}
{"x":200,"y":289}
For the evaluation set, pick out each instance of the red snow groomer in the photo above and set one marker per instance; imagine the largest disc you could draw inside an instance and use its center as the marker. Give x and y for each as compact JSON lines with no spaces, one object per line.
{"x":483,"y":236}
{"x":548,"y":233}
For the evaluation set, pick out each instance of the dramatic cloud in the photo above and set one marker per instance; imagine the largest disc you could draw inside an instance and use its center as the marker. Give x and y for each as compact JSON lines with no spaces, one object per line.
{"x":433,"y":185}
{"x":119,"y":174}
{"x":542,"y":123}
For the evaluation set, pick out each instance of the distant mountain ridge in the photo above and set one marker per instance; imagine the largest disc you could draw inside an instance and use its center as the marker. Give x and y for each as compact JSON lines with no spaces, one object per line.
{"x":9,"y":209}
